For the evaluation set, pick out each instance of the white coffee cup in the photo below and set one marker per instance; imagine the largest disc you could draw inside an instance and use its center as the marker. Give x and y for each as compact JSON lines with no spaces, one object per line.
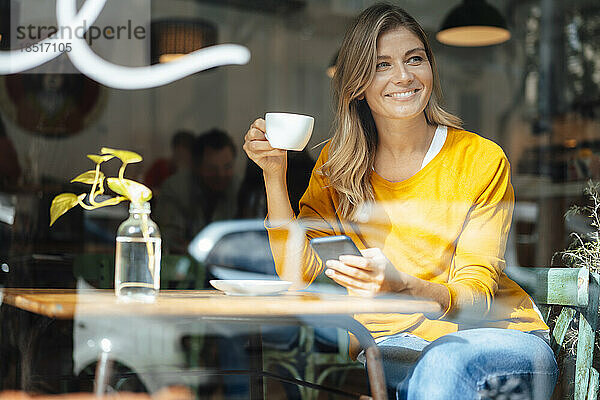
{"x":288,"y":131}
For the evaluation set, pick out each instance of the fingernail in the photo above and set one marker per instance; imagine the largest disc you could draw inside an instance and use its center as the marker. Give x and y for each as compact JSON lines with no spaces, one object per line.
{"x":328,"y":272}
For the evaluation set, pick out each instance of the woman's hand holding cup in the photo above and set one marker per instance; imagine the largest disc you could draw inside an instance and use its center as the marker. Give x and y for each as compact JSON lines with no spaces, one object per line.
{"x":272,"y":161}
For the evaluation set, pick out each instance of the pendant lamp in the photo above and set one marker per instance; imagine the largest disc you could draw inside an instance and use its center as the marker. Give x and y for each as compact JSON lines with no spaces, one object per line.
{"x":473,"y":23}
{"x":174,"y":38}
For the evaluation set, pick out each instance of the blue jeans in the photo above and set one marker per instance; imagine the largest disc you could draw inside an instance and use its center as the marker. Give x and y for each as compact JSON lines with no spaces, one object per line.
{"x":484,"y":363}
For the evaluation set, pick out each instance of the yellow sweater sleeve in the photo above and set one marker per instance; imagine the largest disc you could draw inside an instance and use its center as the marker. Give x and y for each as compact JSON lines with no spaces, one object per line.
{"x":478,"y":261}
{"x":289,"y":242}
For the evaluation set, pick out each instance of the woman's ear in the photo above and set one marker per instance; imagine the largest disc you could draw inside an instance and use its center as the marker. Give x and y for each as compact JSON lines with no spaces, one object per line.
{"x":361,"y":97}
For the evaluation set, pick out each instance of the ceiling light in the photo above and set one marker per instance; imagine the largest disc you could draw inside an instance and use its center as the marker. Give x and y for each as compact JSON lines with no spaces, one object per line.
{"x":473,"y":23}
{"x":173,"y":38}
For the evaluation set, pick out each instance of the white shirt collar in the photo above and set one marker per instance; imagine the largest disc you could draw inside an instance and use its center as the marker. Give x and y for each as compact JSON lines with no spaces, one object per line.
{"x":439,"y":138}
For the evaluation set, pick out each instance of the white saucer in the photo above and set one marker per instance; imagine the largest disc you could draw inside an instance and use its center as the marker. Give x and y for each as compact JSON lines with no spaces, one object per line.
{"x":248,"y":287}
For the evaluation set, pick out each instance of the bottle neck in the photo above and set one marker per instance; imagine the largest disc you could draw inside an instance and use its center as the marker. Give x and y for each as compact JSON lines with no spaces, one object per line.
{"x":137,"y":210}
{"x":138,"y":214}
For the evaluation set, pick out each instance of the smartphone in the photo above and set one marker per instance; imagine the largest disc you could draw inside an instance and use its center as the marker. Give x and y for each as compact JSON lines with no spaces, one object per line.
{"x":332,"y":247}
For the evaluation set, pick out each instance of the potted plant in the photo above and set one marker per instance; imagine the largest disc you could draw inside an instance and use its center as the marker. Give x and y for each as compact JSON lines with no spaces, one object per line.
{"x":584,"y":251}
{"x":138,"y":242}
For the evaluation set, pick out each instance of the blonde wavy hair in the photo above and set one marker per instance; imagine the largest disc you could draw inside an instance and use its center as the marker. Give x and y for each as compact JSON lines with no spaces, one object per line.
{"x":354,"y":143}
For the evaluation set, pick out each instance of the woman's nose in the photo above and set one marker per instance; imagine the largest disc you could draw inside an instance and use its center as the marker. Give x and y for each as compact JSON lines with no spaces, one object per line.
{"x":402,"y":75}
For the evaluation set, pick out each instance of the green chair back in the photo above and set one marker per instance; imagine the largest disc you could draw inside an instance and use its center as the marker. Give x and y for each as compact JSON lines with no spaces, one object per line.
{"x":577,"y":291}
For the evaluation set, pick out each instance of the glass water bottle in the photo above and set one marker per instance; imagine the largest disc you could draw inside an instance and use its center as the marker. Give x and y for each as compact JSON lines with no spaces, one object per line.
{"x":137,"y":259}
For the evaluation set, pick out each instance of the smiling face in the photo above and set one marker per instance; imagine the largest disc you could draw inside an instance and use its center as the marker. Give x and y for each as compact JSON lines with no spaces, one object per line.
{"x":403,"y":78}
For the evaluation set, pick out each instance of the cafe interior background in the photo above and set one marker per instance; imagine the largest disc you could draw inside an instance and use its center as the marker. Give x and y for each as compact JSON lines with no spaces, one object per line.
{"x":537,"y":95}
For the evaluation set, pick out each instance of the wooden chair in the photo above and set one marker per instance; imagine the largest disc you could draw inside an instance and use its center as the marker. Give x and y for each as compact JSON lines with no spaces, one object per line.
{"x":577,"y":292}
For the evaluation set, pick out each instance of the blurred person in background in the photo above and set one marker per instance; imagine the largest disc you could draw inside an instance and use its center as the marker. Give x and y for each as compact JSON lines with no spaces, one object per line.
{"x":429,"y":205}
{"x":181,"y":158}
{"x":192,"y":198}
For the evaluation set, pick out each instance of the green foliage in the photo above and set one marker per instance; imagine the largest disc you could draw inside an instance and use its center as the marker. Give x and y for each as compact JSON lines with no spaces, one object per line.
{"x":99,"y":159}
{"x":134,"y":191}
{"x":127,"y":189}
{"x":63,"y":203}
{"x":88,"y":177}
{"x":585,"y":249}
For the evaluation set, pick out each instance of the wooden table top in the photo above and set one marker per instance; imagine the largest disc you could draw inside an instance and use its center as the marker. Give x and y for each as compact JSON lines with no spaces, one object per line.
{"x":67,"y":303}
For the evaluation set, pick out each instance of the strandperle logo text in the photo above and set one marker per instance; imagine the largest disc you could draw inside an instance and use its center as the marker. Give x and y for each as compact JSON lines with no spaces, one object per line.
{"x":32,"y":33}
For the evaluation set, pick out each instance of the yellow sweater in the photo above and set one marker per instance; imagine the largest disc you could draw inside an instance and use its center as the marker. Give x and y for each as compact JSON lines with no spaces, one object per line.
{"x":446,"y":224}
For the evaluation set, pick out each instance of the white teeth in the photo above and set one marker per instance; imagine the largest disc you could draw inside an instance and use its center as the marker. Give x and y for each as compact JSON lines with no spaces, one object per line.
{"x":403,"y":94}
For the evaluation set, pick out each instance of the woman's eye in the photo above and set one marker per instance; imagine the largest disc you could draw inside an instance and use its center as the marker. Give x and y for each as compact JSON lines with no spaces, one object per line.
{"x":382,"y":64}
{"x":415,"y":60}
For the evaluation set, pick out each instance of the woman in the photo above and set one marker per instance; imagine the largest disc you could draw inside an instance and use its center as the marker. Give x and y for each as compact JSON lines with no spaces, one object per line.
{"x":429,"y":205}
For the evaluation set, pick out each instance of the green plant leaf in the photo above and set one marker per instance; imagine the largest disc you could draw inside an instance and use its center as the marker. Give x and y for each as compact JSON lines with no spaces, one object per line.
{"x":88,"y":177}
{"x":99,"y":159}
{"x":135,"y":192}
{"x":126,"y":156}
{"x":112,"y":201}
{"x":63,"y":203}
{"x":100,"y":185}
{"x":116,"y":186}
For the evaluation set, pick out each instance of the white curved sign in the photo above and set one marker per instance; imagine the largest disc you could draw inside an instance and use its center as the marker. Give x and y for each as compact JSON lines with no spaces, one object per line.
{"x":105,"y":72}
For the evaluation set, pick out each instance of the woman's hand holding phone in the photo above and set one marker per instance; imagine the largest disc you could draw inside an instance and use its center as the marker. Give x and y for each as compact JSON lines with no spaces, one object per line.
{"x":367,"y":275}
